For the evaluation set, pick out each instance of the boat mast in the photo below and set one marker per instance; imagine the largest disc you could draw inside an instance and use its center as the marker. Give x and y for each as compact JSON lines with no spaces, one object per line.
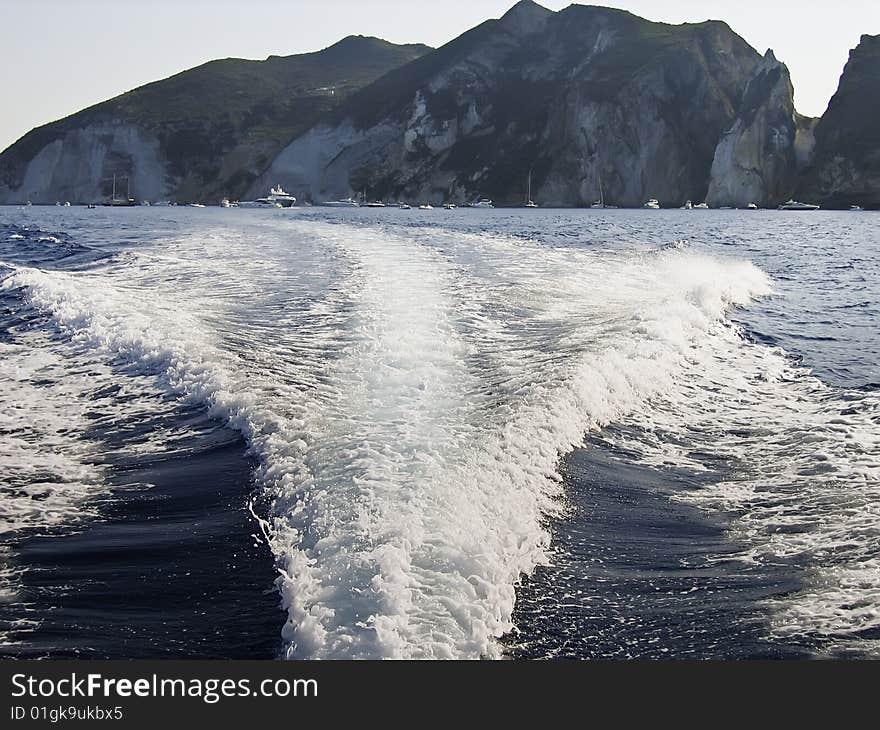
{"x":114,"y":187}
{"x":529,"y":194}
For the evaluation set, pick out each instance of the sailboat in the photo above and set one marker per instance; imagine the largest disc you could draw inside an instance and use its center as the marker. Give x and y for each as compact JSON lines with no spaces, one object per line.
{"x":529,"y":202}
{"x":115,"y":202}
{"x":600,"y":203}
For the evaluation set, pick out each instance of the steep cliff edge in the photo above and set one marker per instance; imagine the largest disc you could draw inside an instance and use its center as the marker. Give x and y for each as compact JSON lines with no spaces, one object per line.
{"x":759,"y":158}
{"x":589,"y":99}
{"x":198,"y":135}
{"x":846,"y":163}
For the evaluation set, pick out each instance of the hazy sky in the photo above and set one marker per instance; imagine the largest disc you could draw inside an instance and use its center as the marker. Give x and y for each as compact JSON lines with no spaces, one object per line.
{"x":58,"y":56}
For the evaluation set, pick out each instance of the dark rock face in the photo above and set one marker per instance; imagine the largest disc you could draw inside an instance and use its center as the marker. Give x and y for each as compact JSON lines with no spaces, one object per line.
{"x":759,"y":158}
{"x":590,"y":103}
{"x":199,"y":135}
{"x":595,"y":102}
{"x":846,"y":163}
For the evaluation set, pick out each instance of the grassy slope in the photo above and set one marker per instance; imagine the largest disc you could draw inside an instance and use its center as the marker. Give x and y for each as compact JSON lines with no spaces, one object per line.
{"x":202,"y":114}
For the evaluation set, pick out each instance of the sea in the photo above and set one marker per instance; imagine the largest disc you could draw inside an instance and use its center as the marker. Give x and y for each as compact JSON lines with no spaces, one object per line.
{"x":468,"y":434}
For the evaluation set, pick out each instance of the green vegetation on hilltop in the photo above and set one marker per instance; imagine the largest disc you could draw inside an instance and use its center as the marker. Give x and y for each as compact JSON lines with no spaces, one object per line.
{"x":218,"y":122}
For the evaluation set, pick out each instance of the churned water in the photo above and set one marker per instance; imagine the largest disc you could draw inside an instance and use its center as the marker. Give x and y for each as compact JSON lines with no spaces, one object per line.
{"x":441,"y":434}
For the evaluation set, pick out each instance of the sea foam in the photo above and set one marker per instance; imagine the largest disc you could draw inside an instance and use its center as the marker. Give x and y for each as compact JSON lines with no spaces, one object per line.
{"x":407,"y":396}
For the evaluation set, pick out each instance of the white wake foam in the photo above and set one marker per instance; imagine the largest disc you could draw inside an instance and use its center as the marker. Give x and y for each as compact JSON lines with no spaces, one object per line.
{"x":407,"y":397}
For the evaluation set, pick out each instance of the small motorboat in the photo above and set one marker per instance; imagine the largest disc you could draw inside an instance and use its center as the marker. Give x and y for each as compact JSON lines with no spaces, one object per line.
{"x":426,"y":206}
{"x":652,"y":204}
{"x":795,"y":205}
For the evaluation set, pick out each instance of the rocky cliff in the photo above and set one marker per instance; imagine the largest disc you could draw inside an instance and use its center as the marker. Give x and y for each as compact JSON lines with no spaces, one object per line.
{"x":590,"y":102}
{"x":589,"y":99}
{"x":199,"y":135}
{"x":759,"y":158}
{"x":846,"y":163}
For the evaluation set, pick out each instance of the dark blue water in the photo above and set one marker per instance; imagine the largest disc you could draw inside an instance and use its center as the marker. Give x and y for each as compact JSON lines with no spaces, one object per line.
{"x":196,"y":400}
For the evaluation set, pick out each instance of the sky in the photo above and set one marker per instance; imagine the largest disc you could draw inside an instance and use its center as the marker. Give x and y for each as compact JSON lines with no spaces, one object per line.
{"x":59,"y":56}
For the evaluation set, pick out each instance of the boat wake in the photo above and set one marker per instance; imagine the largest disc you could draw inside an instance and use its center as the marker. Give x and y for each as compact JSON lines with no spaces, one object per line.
{"x":407,"y":394}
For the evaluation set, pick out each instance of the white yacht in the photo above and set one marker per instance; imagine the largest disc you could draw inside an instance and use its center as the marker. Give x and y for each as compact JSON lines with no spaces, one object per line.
{"x":226,"y":203}
{"x":701,"y":206}
{"x":376,"y":204}
{"x":282,"y":197}
{"x":795,"y":205}
{"x":347,"y":203}
{"x":856,"y":208}
{"x":483,"y":203}
{"x":652,"y":204}
{"x":259,"y":203}
{"x":426,"y":206}
{"x":752,"y":206}
{"x":404,"y":206}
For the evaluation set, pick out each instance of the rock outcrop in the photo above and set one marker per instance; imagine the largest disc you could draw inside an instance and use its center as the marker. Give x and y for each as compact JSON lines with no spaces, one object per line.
{"x":199,"y":135}
{"x":588,"y":103}
{"x":595,"y":102}
{"x":845,"y":169}
{"x":759,"y":158}
{"x":589,"y":99}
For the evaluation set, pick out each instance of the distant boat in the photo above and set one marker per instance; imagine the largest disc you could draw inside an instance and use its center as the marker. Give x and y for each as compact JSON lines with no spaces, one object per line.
{"x":529,"y":202}
{"x":652,"y":204}
{"x":259,"y":203}
{"x":67,"y":204}
{"x":115,"y":202}
{"x":29,"y":203}
{"x":856,"y":208}
{"x":376,"y":204}
{"x":404,"y":206}
{"x":795,"y":205}
{"x":346,"y":203}
{"x":426,"y":206}
{"x":701,"y":206}
{"x":483,"y":203}
{"x":225,"y":203}
{"x":90,"y":206}
{"x":688,"y":205}
{"x":450,"y":206}
{"x":280,"y":196}
{"x":751,"y":206}
{"x":600,"y":203}
{"x":196,"y":205}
